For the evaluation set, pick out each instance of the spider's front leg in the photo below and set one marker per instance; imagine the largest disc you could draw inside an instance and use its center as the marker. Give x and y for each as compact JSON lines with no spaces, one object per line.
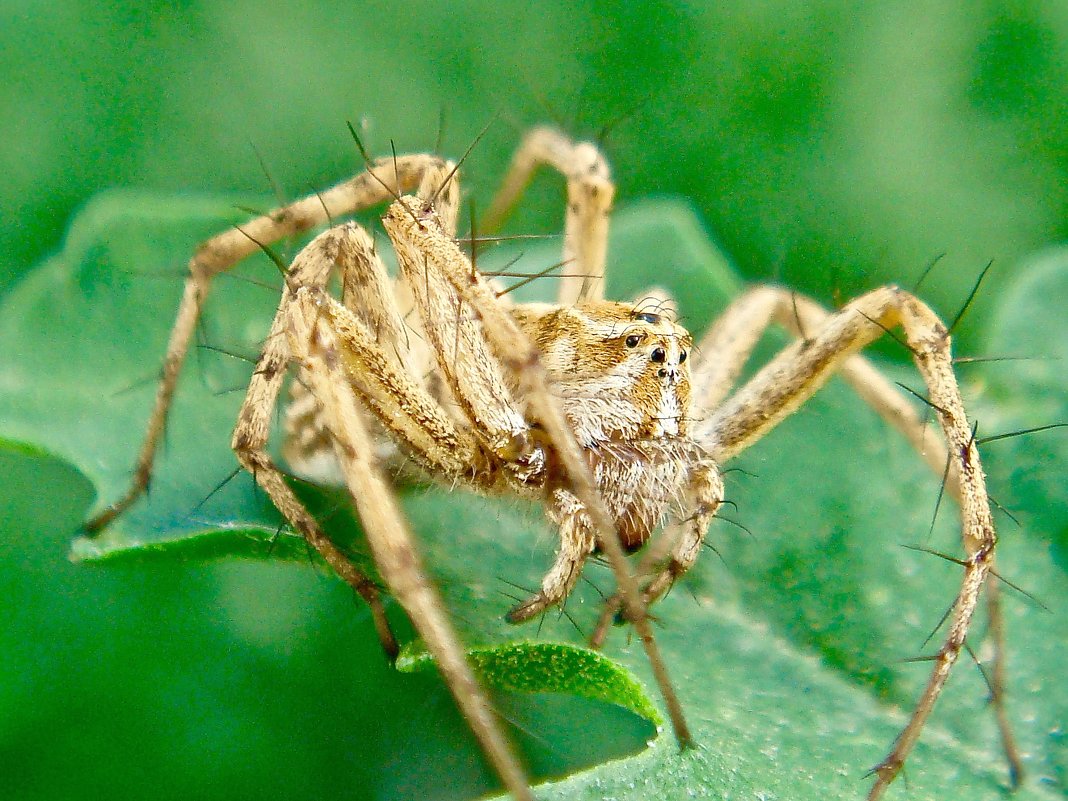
{"x":830,"y":342}
{"x":317,"y":327}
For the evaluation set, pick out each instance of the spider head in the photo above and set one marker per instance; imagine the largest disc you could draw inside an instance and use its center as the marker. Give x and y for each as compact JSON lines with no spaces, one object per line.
{"x":661,"y":347}
{"x":623,"y":372}
{"x":655,"y":365}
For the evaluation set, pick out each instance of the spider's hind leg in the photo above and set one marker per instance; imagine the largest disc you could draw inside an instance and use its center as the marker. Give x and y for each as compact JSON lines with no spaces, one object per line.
{"x":251,"y":433}
{"x":378,"y":182}
{"x":341,"y":363}
{"x":384,"y":306}
{"x":368,"y":294}
{"x":589,"y":202}
{"x":375,"y":356}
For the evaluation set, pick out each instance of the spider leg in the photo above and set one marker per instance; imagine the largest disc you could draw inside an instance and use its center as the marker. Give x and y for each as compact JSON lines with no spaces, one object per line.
{"x":727,"y":345}
{"x":373,"y":364}
{"x":310,"y":324}
{"x":314,"y":341}
{"x":385,"y":179}
{"x":577,"y":542}
{"x":308,"y":448}
{"x":797,"y":372}
{"x":381,"y":332}
{"x":373,"y":372}
{"x":475,"y":378}
{"x":251,"y":434}
{"x":589,"y":201}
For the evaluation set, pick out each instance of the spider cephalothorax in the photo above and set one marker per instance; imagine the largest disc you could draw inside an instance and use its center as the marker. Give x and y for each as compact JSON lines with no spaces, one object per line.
{"x":622,"y":377}
{"x":595,"y":407}
{"x":621,"y":373}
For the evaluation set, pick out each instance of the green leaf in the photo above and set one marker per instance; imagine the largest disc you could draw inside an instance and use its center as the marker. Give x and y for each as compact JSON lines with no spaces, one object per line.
{"x":787,"y":651}
{"x":86,"y":335}
{"x":538,"y":667}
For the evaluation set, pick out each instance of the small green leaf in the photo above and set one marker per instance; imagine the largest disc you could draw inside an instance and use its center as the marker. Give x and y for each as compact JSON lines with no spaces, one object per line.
{"x":540,"y":667}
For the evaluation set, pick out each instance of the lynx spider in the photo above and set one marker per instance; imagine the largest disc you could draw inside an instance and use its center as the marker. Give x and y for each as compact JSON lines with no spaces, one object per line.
{"x":589,"y":405}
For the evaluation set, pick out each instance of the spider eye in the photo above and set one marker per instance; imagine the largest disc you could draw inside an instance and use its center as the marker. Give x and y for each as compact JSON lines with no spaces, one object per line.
{"x":647,"y":317}
{"x":633,"y":340}
{"x":659,"y":355}
{"x":682,"y":357}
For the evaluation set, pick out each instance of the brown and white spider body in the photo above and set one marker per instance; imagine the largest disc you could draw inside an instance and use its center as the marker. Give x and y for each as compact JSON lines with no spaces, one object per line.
{"x":623,"y":382}
{"x":618,"y":372}
{"x":596,"y":407}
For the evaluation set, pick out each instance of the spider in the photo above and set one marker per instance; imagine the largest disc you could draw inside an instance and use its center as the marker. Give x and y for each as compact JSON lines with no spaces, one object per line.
{"x":608,"y":412}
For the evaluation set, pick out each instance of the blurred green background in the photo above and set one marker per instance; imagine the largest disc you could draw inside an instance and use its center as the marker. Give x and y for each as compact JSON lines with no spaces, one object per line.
{"x":836,"y":145}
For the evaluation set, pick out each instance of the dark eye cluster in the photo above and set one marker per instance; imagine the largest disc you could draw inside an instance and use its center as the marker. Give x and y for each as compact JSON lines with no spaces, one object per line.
{"x":659,"y":355}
